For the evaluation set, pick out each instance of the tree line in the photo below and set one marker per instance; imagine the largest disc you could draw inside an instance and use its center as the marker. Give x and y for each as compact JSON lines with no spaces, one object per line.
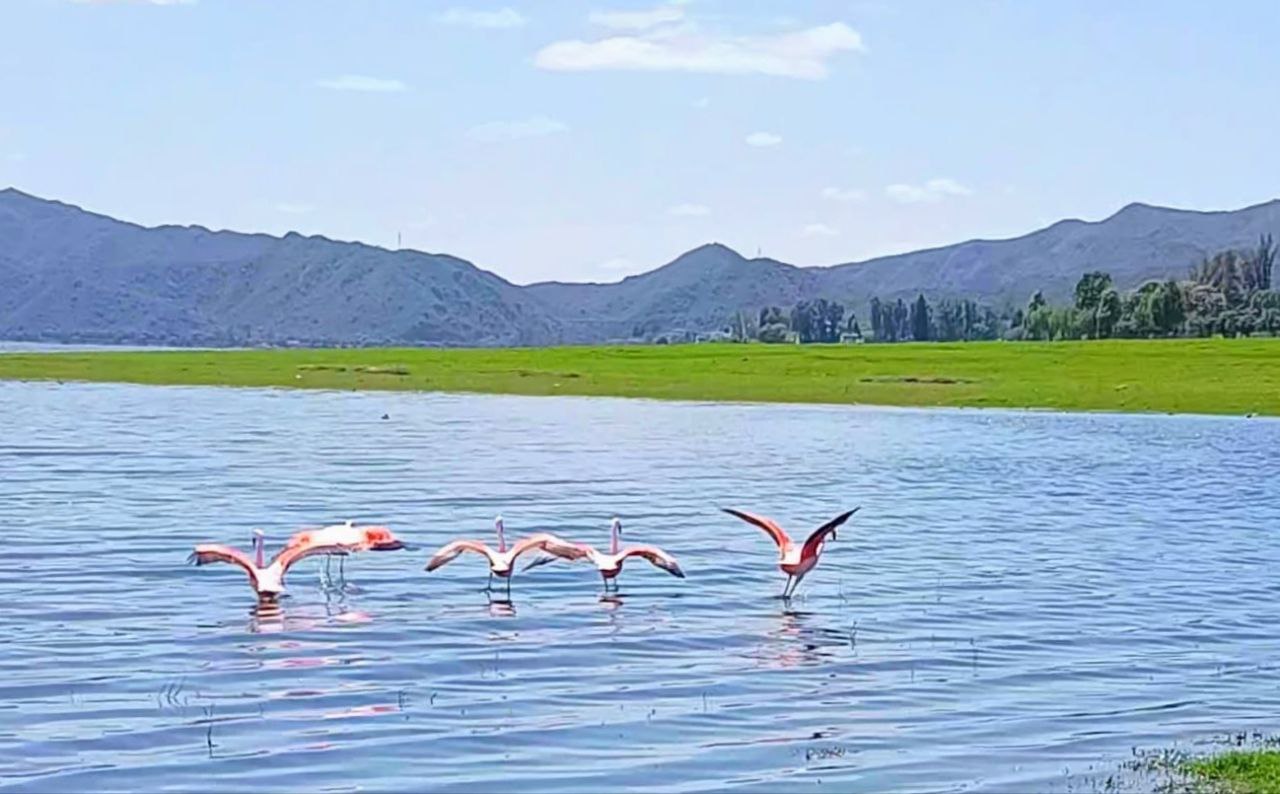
{"x":1228,"y":294}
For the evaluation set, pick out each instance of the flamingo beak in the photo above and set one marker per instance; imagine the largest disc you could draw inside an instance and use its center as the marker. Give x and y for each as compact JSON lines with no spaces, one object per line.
{"x":390,"y":545}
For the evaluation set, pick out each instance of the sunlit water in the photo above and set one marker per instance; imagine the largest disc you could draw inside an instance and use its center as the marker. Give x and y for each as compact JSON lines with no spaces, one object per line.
{"x":1023,"y":597}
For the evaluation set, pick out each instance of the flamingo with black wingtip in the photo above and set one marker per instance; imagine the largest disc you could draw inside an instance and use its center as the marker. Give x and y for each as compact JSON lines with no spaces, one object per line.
{"x":610,"y":565}
{"x":502,"y":560}
{"x":795,"y":559}
{"x":267,"y":580}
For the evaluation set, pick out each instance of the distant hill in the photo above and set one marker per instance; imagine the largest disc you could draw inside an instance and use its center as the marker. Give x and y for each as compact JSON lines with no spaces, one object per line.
{"x":704,"y":287}
{"x":71,"y":275}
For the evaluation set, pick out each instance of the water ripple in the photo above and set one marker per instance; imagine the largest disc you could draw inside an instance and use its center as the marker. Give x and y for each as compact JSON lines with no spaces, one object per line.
{"x":1022,"y":593}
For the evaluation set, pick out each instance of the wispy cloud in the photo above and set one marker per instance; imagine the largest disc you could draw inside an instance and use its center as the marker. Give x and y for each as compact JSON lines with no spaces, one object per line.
{"x":356,"y":82}
{"x":689,"y":210}
{"x":702,"y":103}
{"x":680,"y":46}
{"x":472,"y":18}
{"x":637,"y":20}
{"x":291,"y":208}
{"x":763,"y":139}
{"x":512,"y":130}
{"x":931,"y":191}
{"x":819,"y":230}
{"x":843,"y":194}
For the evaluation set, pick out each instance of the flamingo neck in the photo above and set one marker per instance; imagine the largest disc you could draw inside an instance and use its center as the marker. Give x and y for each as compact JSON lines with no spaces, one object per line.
{"x":502,"y":540}
{"x":257,"y":551}
{"x":613,"y":540}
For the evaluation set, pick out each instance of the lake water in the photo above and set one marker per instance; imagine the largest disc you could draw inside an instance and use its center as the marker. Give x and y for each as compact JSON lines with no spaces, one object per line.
{"x":1023,"y":598}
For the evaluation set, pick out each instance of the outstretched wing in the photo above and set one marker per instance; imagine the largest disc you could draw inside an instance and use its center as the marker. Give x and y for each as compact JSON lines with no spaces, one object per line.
{"x":450,"y":552}
{"x":819,"y":535}
{"x":551,"y":544}
{"x":208,"y":553}
{"x":296,"y":553}
{"x":776,"y":532}
{"x":656,"y":556}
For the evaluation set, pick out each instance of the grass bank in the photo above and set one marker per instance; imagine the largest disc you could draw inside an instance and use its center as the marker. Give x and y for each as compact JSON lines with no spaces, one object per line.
{"x":1240,"y":771}
{"x":1213,"y":376}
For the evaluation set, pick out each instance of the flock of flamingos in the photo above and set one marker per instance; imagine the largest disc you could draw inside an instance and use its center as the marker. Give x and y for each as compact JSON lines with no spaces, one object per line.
{"x":340,"y":540}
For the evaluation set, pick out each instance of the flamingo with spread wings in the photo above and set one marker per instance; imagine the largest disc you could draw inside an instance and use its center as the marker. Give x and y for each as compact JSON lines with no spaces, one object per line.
{"x":795,"y":559}
{"x":610,"y":565}
{"x":350,"y":538}
{"x":267,"y":580}
{"x":502,"y":560}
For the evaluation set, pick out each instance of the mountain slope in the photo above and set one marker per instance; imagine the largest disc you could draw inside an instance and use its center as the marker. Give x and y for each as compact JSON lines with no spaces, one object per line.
{"x":71,"y":275}
{"x":703,"y":288}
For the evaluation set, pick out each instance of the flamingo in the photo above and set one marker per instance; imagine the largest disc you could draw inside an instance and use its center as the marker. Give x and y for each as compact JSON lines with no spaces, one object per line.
{"x":502,"y":560}
{"x":794,"y":559}
{"x":266,"y":580}
{"x":351,"y":538}
{"x":610,"y":565}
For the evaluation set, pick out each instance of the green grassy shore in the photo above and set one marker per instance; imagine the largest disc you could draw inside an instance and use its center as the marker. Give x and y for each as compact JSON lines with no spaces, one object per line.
{"x":1212,"y":376}
{"x":1240,"y":771}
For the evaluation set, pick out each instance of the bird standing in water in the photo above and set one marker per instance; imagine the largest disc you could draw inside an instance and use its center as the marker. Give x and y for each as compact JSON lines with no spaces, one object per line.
{"x":267,"y":580}
{"x":502,"y":560}
{"x":610,"y":565}
{"x":350,"y":538}
{"x":795,"y":559}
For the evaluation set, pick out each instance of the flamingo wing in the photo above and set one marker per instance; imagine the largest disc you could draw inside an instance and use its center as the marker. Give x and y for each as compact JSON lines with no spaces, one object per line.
{"x":291,"y":554}
{"x":776,"y":532}
{"x":207,"y":553}
{"x":819,"y":535}
{"x":656,"y":556}
{"x":551,"y":544}
{"x":450,"y":552}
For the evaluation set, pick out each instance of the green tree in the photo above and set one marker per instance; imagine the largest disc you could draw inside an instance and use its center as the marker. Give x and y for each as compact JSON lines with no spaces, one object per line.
{"x":1089,"y":290}
{"x":1107,"y":314}
{"x":920,"y":324}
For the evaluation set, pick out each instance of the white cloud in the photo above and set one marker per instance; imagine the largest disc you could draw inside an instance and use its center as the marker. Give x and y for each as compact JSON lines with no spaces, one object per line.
{"x":683,"y":48}
{"x":291,"y":208}
{"x":819,"y":230}
{"x":844,"y":194}
{"x":931,"y":191}
{"x":512,"y":130}
{"x":763,"y":139}
{"x":616,"y":264}
{"x":356,"y":82}
{"x":502,"y":18}
{"x":689,"y":210}
{"x":637,"y":20}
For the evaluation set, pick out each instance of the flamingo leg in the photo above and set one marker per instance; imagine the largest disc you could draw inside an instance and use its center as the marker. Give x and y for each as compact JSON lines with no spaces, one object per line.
{"x":488,"y":587}
{"x":787,"y":586}
{"x":342,"y":569}
{"x":508,"y":588}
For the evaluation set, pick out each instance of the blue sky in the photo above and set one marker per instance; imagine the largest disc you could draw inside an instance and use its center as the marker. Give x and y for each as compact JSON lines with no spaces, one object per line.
{"x":586,"y":141}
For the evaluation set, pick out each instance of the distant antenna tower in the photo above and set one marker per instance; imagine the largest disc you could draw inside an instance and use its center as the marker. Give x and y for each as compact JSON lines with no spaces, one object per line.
{"x":397,"y":239}
{"x":758,"y":249}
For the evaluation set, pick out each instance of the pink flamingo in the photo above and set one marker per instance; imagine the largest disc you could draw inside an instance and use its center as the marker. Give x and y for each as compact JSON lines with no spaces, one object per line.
{"x":502,"y":560}
{"x":268,"y":580}
{"x":610,"y":565}
{"x":794,"y":559}
{"x":351,"y":538}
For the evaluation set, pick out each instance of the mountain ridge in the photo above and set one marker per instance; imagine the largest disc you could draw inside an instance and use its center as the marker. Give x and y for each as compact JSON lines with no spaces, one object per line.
{"x":71,"y":274}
